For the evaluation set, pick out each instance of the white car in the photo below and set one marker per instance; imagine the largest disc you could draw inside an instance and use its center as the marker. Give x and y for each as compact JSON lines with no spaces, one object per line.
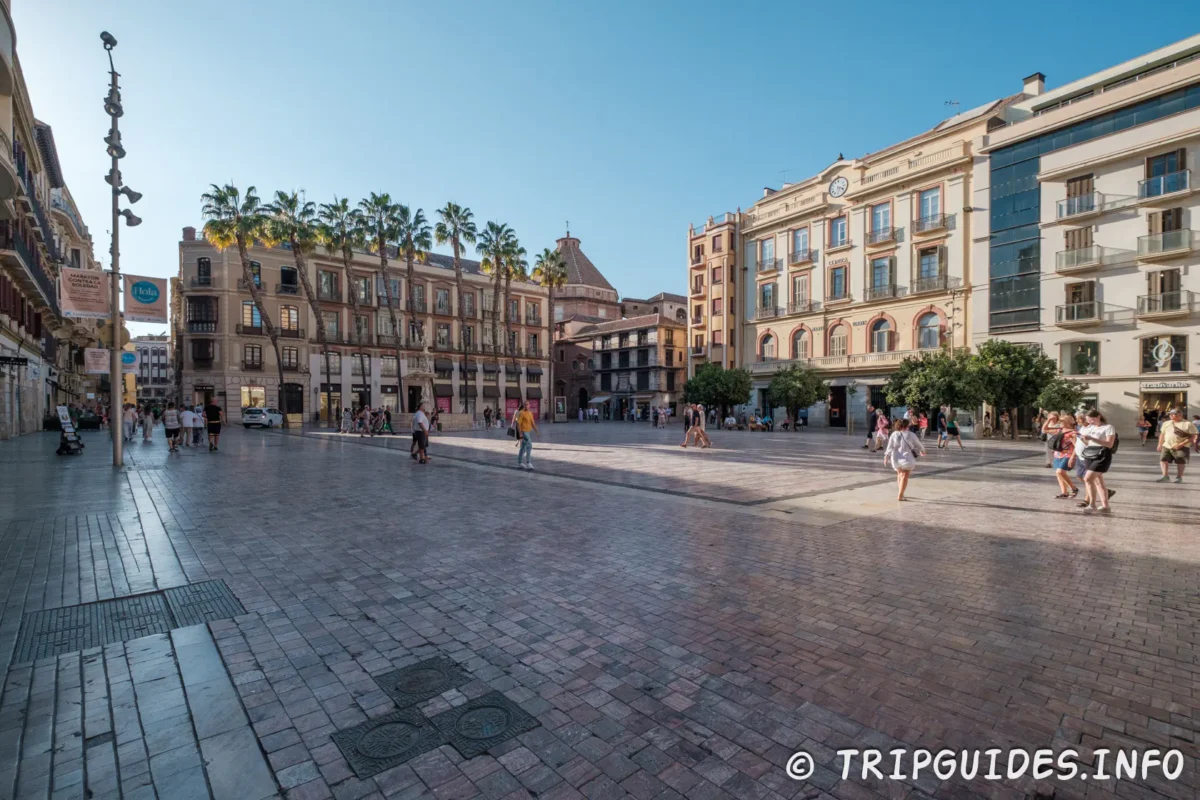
{"x":262,"y":417}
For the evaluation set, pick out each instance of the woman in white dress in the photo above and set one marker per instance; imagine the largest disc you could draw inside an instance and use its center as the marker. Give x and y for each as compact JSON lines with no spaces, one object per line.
{"x":903,"y":449}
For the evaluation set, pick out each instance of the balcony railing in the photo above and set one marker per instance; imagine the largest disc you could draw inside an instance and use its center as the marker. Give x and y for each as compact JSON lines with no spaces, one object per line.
{"x":388,"y":340}
{"x":1083,"y":204}
{"x":697,"y":259}
{"x":697,"y":288}
{"x":1161,"y":185}
{"x":287,"y":288}
{"x":255,"y":366}
{"x":443,"y":309}
{"x":838,"y":298}
{"x":697,"y":320}
{"x":1077,"y":312}
{"x":249,"y":330}
{"x":328,"y":296}
{"x":767,"y":312}
{"x":882,"y":292}
{"x":1168,"y":243}
{"x":935,"y":283}
{"x":1166,"y":303}
{"x":802,"y":256}
{"x":767,"y":265}
{"x":245,"y":286}
{"x":202,"y":363}
{"x":1079,"y":258}
{"x":443,"y":344}
{"x":43,"y":223}
{"x":534,"y":320}
{"x":419,"y":307}
{"x":931,"y":222}
{"x":292,"y":333}
{"x":698,"y":350}
{"x":202,"y":280}
{"x":202,"y":326}
{"x":882,"y":235}
{"x":295,"y":367}
{"x":9,"y":240}
{"x":800,"y":307}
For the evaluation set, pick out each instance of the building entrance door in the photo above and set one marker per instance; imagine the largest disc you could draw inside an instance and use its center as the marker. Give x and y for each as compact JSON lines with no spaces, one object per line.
{"x":293,"y":396}
{"x":414,"y":398}
{"x":837,"y":406}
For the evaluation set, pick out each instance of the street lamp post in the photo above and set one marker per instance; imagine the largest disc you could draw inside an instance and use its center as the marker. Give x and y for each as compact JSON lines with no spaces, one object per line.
{"x":112,"y":106}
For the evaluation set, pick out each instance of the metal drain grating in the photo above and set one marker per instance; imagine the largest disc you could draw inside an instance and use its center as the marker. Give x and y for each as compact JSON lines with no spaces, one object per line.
{"x":419,"y":682}
{"x":49,"y":633}
{"x":483,"y":723}
{"x":386,"y":741}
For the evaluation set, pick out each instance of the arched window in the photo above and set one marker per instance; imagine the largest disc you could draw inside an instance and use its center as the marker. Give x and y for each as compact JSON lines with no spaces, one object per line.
{"x":768,"y":348}
{"x":929,"y":332}
{"x":655,"y":310}
{"x":800,"y":344}
{"x":881,"y":336}
{"x":681,"y":315}
{"x":839,"y":342}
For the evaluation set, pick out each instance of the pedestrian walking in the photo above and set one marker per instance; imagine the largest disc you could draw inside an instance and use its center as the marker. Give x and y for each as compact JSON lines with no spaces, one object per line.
{"x":487,"y":418}
{"x":1050,"y":428}
{"x":987,"y":425}
{"x":923,"y":424}
{"x":952,"y":428}
{"x":869,"y":443}
{"x":172,"y":425}
{"x":1175,"y":440}
{"x":526,"y":427}
{"x":187,"y":421}
{"x":420,"y":433}
{"x":147,"y":423}
{"x":1099,"y":443}
{"x":940,"y":422}
{"x":198,"y":425}
{"x":128,"y":422}
{"x":882,"y":431}
{"x":698,"y":421}
{"x":1143,"y":428}
{"x":1062,"y":444}
{"x":902,"y":450}
{"x":1005,"y":425}
{"x":688,"y":433}
{"x":215,"y":417}
{"x":347,"y":420}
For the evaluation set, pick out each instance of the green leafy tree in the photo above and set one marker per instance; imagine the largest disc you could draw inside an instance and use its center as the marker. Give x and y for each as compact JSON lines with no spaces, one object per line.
{"x":934,"y":379}
{"x":1012,"y":375}
{"x":797,"y":387}
{"x":1062,"y":394}
{"x":717,"y":387}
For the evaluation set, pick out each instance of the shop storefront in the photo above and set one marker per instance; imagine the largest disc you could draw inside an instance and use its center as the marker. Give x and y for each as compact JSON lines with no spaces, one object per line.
{"x":491,"y":398}
{"x":360,"y":395}
{"x":512,"y":401}
{"x":442,"y":394}
{"x":389,"y":398}
{"x":331,"y":398}
{"x":1156,"y":397}
{"x":533,"y":396}
{"x":466,"y":399}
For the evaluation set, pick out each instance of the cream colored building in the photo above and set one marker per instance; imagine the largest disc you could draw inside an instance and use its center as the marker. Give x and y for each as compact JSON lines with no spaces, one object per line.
{"x":1088,"y":231}
{"x":223,"y":351}
{"x":713,"y":331}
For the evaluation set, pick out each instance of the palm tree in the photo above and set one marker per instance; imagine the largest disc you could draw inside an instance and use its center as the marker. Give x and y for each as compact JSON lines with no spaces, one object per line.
{"x":237,"y":220}
{"x":516,"y":267}
{"x":493,"y":244}
{"x":340,"y":230}
{"x":550,"y":270}
{"x":380,"y":224}
{"x":457,"y":226}
{"x":293,"y":219}
{"x":415,"y":238}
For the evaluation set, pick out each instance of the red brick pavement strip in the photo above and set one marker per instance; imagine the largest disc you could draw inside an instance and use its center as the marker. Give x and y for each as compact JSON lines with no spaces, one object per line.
{"x":672,"y":653}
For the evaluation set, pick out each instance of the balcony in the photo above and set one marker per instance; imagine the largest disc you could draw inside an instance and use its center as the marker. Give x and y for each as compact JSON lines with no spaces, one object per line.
{"x":857,"y":361}
{"x":419,"y":364}
{"x":295,"y":368}
{"x":844,"y":297}
{"x":9,"y":181}
{"x":1078,"y":314}
{"x":697,"y":321}
{"x":697,"y":289}
{"x":1165,"y":187}
{"x":1166,"y":246}
{"x":801,"y":307}
{"x":329,"y":296}
{"x":882,"y":292}
{"x":533,"y":352}
{"x":931,"y":223}
{"x":838,"y":246}
{"x":698,"y":350}
{"x":419,"y":307}
{"x":802,"y":257}
{"x":201,"y":281}
{"x":1165,"y":305}
{"x":882,"y":236}
{"x":202,"y":363}
{"x":28,"y":270}
{"x":244,"y":285}
{"x":1088,"y":205}
{"x":388,"y":340}
{"x":534,"y":320}
{"x":287,"y":288}
{"x":1079,"y":259}
{"x":767,"y":312}
{"x":443,"y":345}
{"x":292,"y":333}
{"x":767,"y":265}
{"x":201,"y":326}
{"x":249,"y":330}
{"x":697,"y":259}
{"x":443,"y":309}
{"x":252,"y":366}
{"x":43,"y":224}
{"x":934,"y":283}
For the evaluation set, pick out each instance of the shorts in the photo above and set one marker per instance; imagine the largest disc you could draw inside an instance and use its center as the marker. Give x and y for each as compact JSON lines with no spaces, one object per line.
{"x":172,"y":433}
{"x":903,"y":464}
{"x":952,"y":430}
{"x":1100,"y":464}
{"x":214,"y":428}
{"x":420,"y":440}
{"x":1062,"y":463}
{"x":1179,"y":456}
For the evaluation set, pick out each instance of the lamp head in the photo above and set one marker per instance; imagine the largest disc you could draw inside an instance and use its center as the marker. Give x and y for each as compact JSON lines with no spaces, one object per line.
{"x":116,"y":150}
{"x":131,"y":194}
{"x":113,"y":178}
{"x":131,"y":219}
{"x":109,"y":40}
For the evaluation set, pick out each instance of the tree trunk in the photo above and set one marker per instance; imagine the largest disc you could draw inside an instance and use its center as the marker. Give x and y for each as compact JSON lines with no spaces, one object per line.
{"x":550,"y":338}
{"x":315,"y":304}
{"x":352,"y":289}
{"x":496,"y":309}
{"x":462,"y":316}
{"x":272,"y":332}
{"x":396,"y":332}
{"x":508,"y":323}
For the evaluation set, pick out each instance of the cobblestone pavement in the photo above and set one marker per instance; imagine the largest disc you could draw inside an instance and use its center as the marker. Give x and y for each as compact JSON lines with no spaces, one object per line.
{"x":678,"y":622}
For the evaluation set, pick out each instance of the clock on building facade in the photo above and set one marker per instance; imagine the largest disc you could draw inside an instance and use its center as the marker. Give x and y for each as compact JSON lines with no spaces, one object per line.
{"x":838,"y":186}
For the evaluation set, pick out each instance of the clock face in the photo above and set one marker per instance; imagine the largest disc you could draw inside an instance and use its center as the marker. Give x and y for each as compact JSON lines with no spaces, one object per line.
{"x":838,"y":187}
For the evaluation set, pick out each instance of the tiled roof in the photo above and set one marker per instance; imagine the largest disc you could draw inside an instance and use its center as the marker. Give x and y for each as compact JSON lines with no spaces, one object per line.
{"x":661,"y":297}
{"x":617,"y":325}
{"x":583,"y":318}
{"x":580,"y":269}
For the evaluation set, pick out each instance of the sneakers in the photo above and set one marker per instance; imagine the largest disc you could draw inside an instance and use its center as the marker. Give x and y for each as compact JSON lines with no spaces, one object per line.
{"x":1163,"y":479}
{"x":1179,"y":480}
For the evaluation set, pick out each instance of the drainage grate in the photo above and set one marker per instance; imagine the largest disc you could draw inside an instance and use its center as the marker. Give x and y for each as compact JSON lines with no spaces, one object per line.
{"x":418,"y":682}
{"x":386,"y":741}
{"x":483,"y":723}
{"x":49,"y":633}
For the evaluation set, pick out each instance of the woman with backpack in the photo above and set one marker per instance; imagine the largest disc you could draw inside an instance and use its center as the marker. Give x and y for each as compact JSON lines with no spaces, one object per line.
{"x":1099,"y":443}
{"x":1062,"y":444}
{"x":903,"y":449}
{"x":1050,"y":428}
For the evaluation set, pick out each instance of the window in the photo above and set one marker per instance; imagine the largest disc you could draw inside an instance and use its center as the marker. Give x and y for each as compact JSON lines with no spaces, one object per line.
{"x":468,"y":304}
{"x":716,"y":306}
{"x":697,"y":253}
{"x":384,"y":326}
{"x":288,"y":276}
{"x":254,"y":397}
{"x":929,"y":263}
{"x":767,"y":296}
{"x":362,"y":329}
{"x":202,"y":349}
{"x":1164,"y":354}
{"x":252,"y":354}
{"x":716,"y":276}
{"x":533,"y":312}
{"x":929,"y":332}
{"x":443,"y":336}
{"x":289,"y":318}
{"x":670,"y":380}
{"x":881,"y":273}
{"x":204,"y":267}
{"x":533,"y":344}
{"x":387,"y":366}
{"x":442,"y":298}
{"x":512,"y":341}
{"x":881,"y":218}
{"x":256,"y":272}
{"x":558,"y":313}
{"x":697,"y":284}
{"x":717,"y":339}
{"x":415,"y":332}
{"x":930,"y":204}
{"x":837,"y":283}
{"x":800,"y":242}
{"x":335,"y":364}
{"x":716,"y":243}
{"x":698,"y":341}
{"x":418,"y":297}
{"x":362,"y":285}
{"x":332,"y":329}
{"x":751,"y":253}
{"x":327,"y":285}
{"x":250,"y":315}
{"x":1165,"y":174}
{"x":290,"y":356}
{"x":468,"y":336}
{"x":838,"y":232}
{"x":1078,"y":238}
{"x":381,"y":290}
{"x":800,"y":290}
{"x":512,"y":308}
{"x":768,"y":348}
{"x":800,"y":344}
{"x":839,"y":341}
{"x":1080,"y":358}
{"x":881,"y":336}
{"x":768,"y":250}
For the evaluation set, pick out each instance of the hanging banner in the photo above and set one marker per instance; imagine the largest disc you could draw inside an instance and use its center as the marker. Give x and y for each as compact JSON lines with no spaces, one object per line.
{"x":145,"y":299}
{"x":84,"y":293}
{"x":129,"y":361}
{"x":95,"y":361}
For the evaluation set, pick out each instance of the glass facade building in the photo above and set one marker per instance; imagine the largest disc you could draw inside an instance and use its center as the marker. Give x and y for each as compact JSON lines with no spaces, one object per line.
{"x":1014,"y":262}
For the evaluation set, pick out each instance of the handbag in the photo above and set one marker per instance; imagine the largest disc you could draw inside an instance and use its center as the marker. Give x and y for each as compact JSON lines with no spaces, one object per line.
{"x":1094,"y":451}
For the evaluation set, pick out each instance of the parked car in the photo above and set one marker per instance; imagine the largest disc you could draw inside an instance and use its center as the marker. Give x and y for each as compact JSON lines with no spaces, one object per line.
{"x":262,"y":417}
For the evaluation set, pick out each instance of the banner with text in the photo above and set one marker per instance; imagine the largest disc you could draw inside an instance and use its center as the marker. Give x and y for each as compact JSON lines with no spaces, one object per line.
{"x":145,"y":299}
{"x":84,"y":293}
{"x":95,"y":361}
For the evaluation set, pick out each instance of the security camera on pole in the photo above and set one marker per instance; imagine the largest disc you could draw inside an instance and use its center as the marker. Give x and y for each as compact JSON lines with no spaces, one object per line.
{"x":116,"y":380}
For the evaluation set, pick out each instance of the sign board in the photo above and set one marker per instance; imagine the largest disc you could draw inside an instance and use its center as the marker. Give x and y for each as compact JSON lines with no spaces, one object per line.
{"x":560,"y":408}
{"x":95,"y":361}
{"x":84,"y":293}
{"x":1159,"y":386}
{"x":64,"y":419}
{"x":145,"y":299}
{"x":91,"y":395}
{"x":129,"y":361}
{"x":443,"y":404}
{"x":14,"y":361}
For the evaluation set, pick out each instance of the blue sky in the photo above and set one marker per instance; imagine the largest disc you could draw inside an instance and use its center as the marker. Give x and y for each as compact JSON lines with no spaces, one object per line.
{"x":630,"y":119}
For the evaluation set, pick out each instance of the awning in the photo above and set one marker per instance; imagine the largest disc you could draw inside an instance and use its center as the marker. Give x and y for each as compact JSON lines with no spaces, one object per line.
{"x":533,"y":369}
{"x":512,"y":392}
{"x":443,"y":390}
{"x":533,"y":393}
{"x":491,"y":391}
{"x":491,"y":366}
{"x":466,"y":390}
{"x":469,"y":366}
{"x":443,"y":365}
{"x":599,"y":399}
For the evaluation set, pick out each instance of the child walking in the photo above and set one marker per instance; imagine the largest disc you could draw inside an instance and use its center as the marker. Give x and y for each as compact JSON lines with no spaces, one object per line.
{"x":903,"y":449}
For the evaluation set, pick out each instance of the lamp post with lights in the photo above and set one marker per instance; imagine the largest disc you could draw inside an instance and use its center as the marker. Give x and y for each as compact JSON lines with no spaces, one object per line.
{"x":112,"y":106}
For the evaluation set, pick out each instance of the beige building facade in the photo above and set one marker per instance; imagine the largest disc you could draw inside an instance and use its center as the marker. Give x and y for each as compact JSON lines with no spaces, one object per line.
{"x":713,"y":332}
{"x":638,"y":363}
{"x":223,"y":351}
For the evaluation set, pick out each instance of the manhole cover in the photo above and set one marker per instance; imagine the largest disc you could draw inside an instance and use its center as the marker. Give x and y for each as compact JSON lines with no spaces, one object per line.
{"x":386,"y":741}
{"x":483,"y":723}
{"x":418,"y":682}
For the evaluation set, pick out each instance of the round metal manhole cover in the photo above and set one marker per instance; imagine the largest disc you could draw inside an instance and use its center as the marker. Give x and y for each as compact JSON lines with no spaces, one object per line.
{"x":483,"y":723}
{"x":388,"y":740}
{"x":421,"y":681}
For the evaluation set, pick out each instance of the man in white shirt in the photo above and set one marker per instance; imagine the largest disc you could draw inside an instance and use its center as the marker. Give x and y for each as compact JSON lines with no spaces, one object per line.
{"x":188,"y":420}
{"x":420,"y":431}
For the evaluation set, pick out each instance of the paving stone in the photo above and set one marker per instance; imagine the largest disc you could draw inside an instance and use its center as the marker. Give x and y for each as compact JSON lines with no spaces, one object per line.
{"x":236,"y":767}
